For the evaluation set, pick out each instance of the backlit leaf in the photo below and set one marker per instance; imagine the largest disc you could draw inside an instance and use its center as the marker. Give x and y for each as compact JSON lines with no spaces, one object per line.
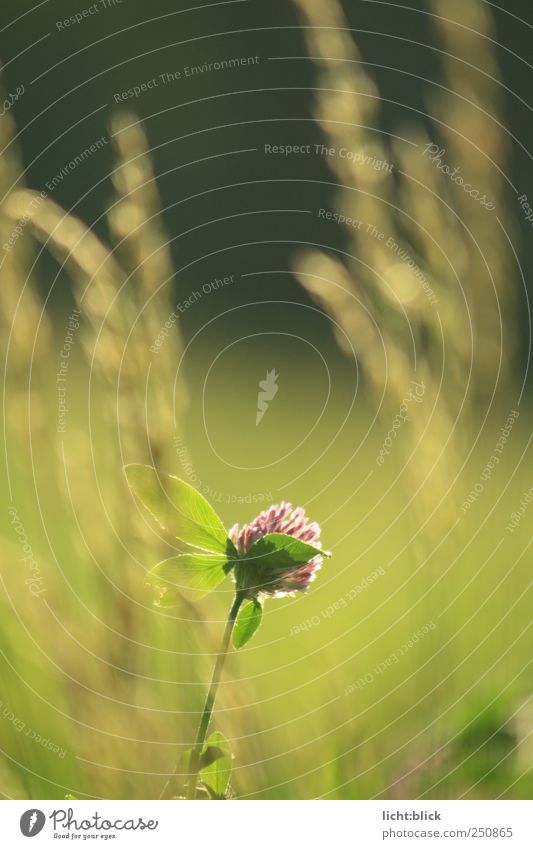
{"x":179,"y":508}
{"x":197,"y":573}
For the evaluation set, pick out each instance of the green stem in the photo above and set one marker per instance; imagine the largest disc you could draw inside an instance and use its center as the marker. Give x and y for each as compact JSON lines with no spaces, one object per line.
{"x":211,"y":696}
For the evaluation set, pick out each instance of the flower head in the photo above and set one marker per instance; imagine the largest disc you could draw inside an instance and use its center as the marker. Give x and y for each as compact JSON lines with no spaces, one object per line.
{"x":276,"y":575}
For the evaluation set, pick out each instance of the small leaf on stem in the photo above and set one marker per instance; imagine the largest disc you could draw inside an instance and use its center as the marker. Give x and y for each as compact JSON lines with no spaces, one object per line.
{"x":248,"y":621}
{"x":217,"y":754}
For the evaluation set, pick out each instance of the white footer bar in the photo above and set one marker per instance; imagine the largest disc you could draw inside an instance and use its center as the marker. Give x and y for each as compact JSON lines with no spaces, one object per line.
{"x":269,"y":825}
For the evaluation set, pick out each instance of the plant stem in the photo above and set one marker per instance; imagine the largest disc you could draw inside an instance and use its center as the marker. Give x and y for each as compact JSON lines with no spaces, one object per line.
{"x":211,"y":696}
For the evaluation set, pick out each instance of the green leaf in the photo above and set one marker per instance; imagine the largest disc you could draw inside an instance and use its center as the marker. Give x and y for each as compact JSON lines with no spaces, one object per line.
{"x":281,"y":551}
{"x":216,"y":748}
{"x":179,"y":509}
{"x":210,"y":754}
{"x":217,"y":754}
{"x":248,"y":621}
{"x":198,"y":573}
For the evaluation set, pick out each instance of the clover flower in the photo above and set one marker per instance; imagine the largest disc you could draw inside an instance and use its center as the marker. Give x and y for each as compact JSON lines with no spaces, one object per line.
{"x":274,"y":575}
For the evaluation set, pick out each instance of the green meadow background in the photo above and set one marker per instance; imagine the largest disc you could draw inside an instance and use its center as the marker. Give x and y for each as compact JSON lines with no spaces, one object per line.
{"x":118,"y":685}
